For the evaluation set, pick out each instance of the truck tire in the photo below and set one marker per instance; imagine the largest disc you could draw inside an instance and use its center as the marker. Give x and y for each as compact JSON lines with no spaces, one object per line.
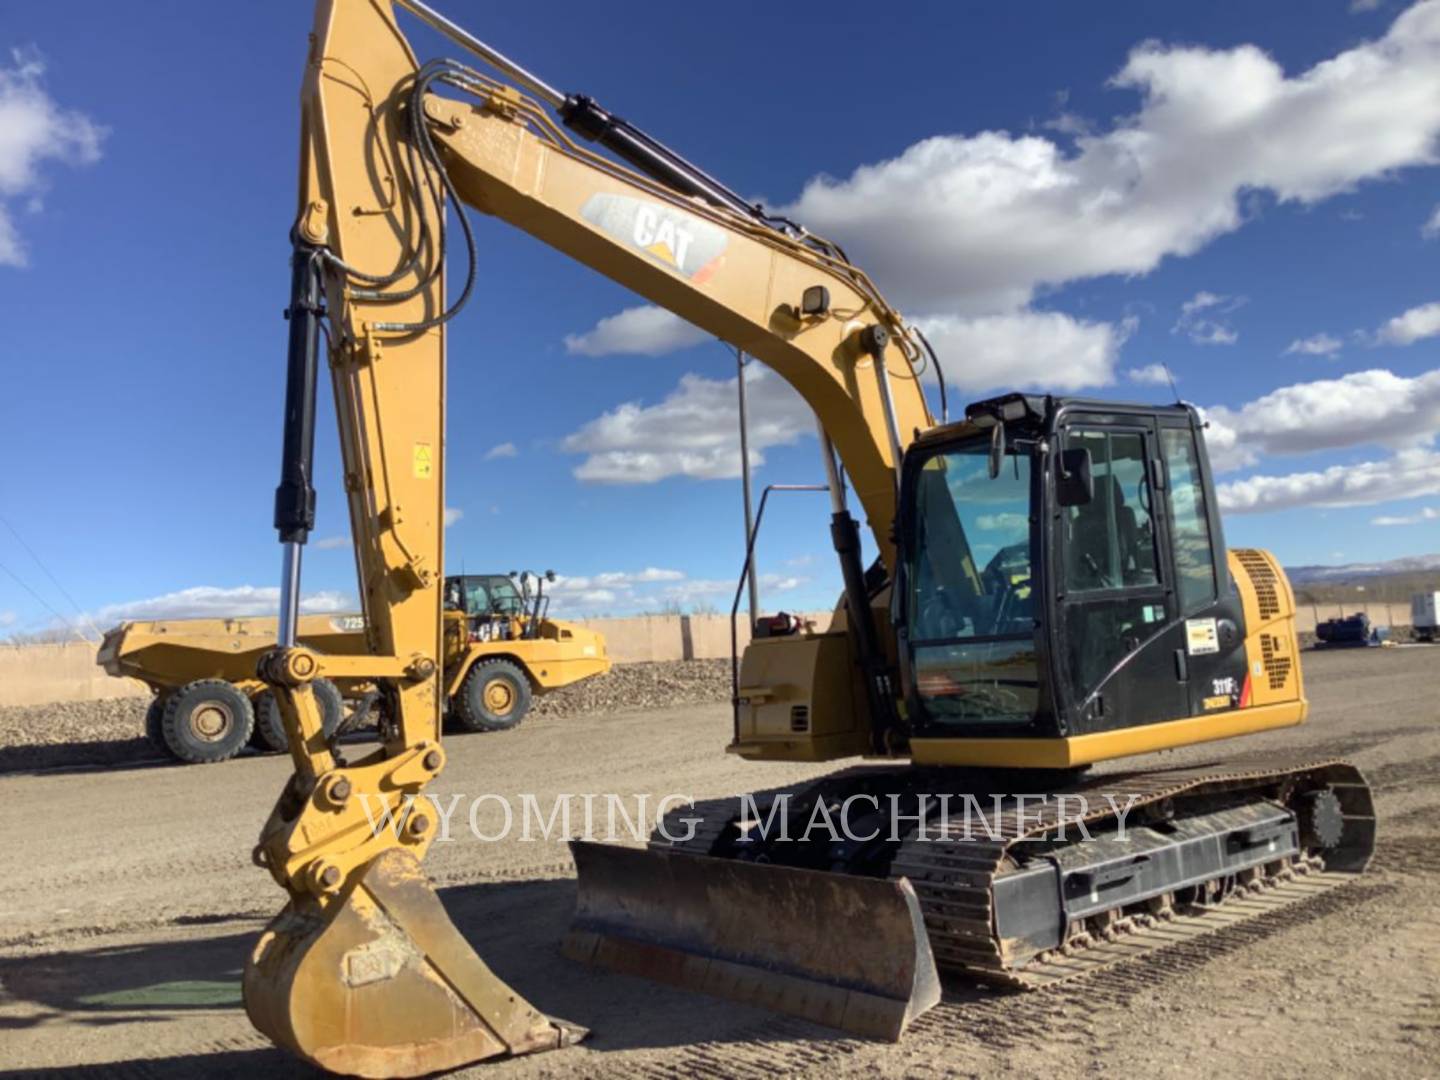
{"x":269,"y":732}
{"x":155,"y":725}
{"x":206,"y":721}
{"x":495,"y":696}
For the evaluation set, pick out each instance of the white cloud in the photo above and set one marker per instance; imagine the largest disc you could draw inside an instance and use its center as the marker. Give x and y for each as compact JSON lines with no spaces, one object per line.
{"x":8,"y":618}
{"x":1358,"y":6}
{"x":331,"y":543}
{"x":452,"y":515}
{"x":1007,"y":522}
{"x":209,"y":601}
{"x":612,"y":580}
{"x":34,"y":130}
{"x":1043,"y":349}
{"x":1321,"y":344}
{"x":1150,"y":375}
{"x":1431,"y":229}
{"x":976,"y":223}
{"x":1411,"y":326}
{"x":780,"y":582}
{"x":964,"y":226}
{"x":1428,"y":513}
{"x":504,"y":450}
{"x":1363,"y":408}
{"x":645,"y":330}
{"x":1203,"y":319}
{"x":654,"y":589}
{"x":1409,"y":473}
{"x":693,"y":432}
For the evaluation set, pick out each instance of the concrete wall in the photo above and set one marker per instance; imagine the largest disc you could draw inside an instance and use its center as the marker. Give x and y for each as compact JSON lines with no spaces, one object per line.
{"x":648,"y":638}
{"x":39,"y":674}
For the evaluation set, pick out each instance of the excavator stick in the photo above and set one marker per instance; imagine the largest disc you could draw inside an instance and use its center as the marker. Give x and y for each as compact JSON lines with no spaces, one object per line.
{"x":380,"y":983}
{"x":847,"y":952}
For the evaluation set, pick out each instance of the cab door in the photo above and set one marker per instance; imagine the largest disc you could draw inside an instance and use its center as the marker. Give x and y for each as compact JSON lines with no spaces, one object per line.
{"x":1208,"y":602}
{"x":1119,"y":634}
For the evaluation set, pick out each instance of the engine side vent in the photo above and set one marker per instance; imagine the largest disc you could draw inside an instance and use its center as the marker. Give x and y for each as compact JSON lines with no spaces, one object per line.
{"x":1262,"y":577}
{"x":1277,"y":666}
{"x":800,"y":718}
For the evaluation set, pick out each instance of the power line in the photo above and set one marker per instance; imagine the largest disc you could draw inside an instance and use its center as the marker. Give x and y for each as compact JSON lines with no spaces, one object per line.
{"x":63,"y":621}
{"x":46,"y":571}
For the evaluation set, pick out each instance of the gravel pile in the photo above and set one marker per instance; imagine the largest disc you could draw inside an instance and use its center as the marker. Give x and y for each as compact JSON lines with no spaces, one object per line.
{"x":74,"y":733}
{"x":641,"y":686}
{"x":81,"y":733}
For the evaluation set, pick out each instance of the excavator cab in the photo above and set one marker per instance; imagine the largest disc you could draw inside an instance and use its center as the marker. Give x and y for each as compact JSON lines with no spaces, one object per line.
{"x":1063,"y":593}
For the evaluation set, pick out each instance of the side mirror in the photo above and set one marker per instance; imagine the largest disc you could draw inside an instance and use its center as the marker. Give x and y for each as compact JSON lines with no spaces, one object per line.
{"x":550,"y":576}
{"x":997,"y":449}
{"x":1076,"y":485}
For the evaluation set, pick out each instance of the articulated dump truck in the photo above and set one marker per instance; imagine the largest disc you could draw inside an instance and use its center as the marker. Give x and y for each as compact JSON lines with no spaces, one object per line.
{"x":501,"y":650}
{"x":1051,"y":590}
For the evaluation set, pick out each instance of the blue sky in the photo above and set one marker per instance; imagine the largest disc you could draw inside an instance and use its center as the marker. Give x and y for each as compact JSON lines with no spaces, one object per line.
{"x":1062,"y":195}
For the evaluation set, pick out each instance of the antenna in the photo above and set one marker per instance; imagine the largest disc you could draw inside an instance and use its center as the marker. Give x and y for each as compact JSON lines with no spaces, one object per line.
{"x":1171,"y":379}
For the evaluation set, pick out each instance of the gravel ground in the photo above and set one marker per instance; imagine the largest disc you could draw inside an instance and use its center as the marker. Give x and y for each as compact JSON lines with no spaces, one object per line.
{"x":129,"y":900}
{"x":113,"y":732}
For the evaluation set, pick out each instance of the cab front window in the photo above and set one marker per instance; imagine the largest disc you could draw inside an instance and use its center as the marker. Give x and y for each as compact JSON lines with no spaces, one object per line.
{"x":970,"y":603}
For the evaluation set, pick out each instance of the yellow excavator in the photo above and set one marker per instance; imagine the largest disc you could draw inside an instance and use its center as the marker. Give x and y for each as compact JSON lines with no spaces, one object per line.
{"x":1052,"y":590}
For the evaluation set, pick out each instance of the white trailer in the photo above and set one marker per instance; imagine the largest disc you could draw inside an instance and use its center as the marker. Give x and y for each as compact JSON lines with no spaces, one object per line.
{"x":1424,"y":616}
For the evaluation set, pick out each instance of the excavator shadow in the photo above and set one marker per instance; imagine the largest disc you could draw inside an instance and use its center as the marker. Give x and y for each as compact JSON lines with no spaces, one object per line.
{"x":113,"y":754}
{"x":173,"y":994}
{"x":53,"y":757}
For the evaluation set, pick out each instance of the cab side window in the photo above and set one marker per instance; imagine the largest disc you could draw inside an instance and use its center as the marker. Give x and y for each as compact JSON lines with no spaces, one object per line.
{"x":479,"y":599}
{"x":1189,"y":523}
{"x":1110,"y":541}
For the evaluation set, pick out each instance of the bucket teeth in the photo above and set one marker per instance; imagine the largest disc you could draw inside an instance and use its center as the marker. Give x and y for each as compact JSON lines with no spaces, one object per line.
{"x":380,"y":983}
{"x":847,"y":952}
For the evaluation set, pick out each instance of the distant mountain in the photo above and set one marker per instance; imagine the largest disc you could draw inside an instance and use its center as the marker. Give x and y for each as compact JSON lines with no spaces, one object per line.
{"x":1409,"y":564}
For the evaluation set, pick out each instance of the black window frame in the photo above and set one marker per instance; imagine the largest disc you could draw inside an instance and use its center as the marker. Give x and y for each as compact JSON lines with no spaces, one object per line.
{"x":1042,"y":723}
{"x":1072,"y":696}
{"x":1219,"y":570}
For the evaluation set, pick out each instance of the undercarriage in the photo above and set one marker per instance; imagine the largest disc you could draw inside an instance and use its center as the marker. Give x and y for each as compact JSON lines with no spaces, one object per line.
{"x":876,"y":877}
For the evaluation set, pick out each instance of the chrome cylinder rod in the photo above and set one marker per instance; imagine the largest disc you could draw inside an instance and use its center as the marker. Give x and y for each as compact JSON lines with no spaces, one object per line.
{"x":496,"y":59}
{"x":289,"y":594}
{"x":892,"y":425}
{"x":745,"y":483}
{"x":832,"y":471}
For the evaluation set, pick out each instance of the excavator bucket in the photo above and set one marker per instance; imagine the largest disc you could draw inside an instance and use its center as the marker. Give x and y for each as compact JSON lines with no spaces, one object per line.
{"x":380,"y":983}
{"x":848,"y":952}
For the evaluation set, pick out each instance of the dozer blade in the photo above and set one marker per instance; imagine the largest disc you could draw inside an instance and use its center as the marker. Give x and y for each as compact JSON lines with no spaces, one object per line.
{"x":845,"y":951}
{"x":380,"y":983}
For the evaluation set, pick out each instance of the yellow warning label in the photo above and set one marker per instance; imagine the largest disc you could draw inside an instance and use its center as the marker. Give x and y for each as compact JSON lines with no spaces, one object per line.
{"x":424,"y":460}
{"x":1220,"y":701}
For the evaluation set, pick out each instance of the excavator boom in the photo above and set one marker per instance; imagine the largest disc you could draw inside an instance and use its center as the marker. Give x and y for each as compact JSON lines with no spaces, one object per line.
{"x":362,"y":972}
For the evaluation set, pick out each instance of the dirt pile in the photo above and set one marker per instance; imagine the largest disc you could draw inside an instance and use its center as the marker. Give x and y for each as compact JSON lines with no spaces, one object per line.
{"x":74,"y":733}
{"x":642,"y":686}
